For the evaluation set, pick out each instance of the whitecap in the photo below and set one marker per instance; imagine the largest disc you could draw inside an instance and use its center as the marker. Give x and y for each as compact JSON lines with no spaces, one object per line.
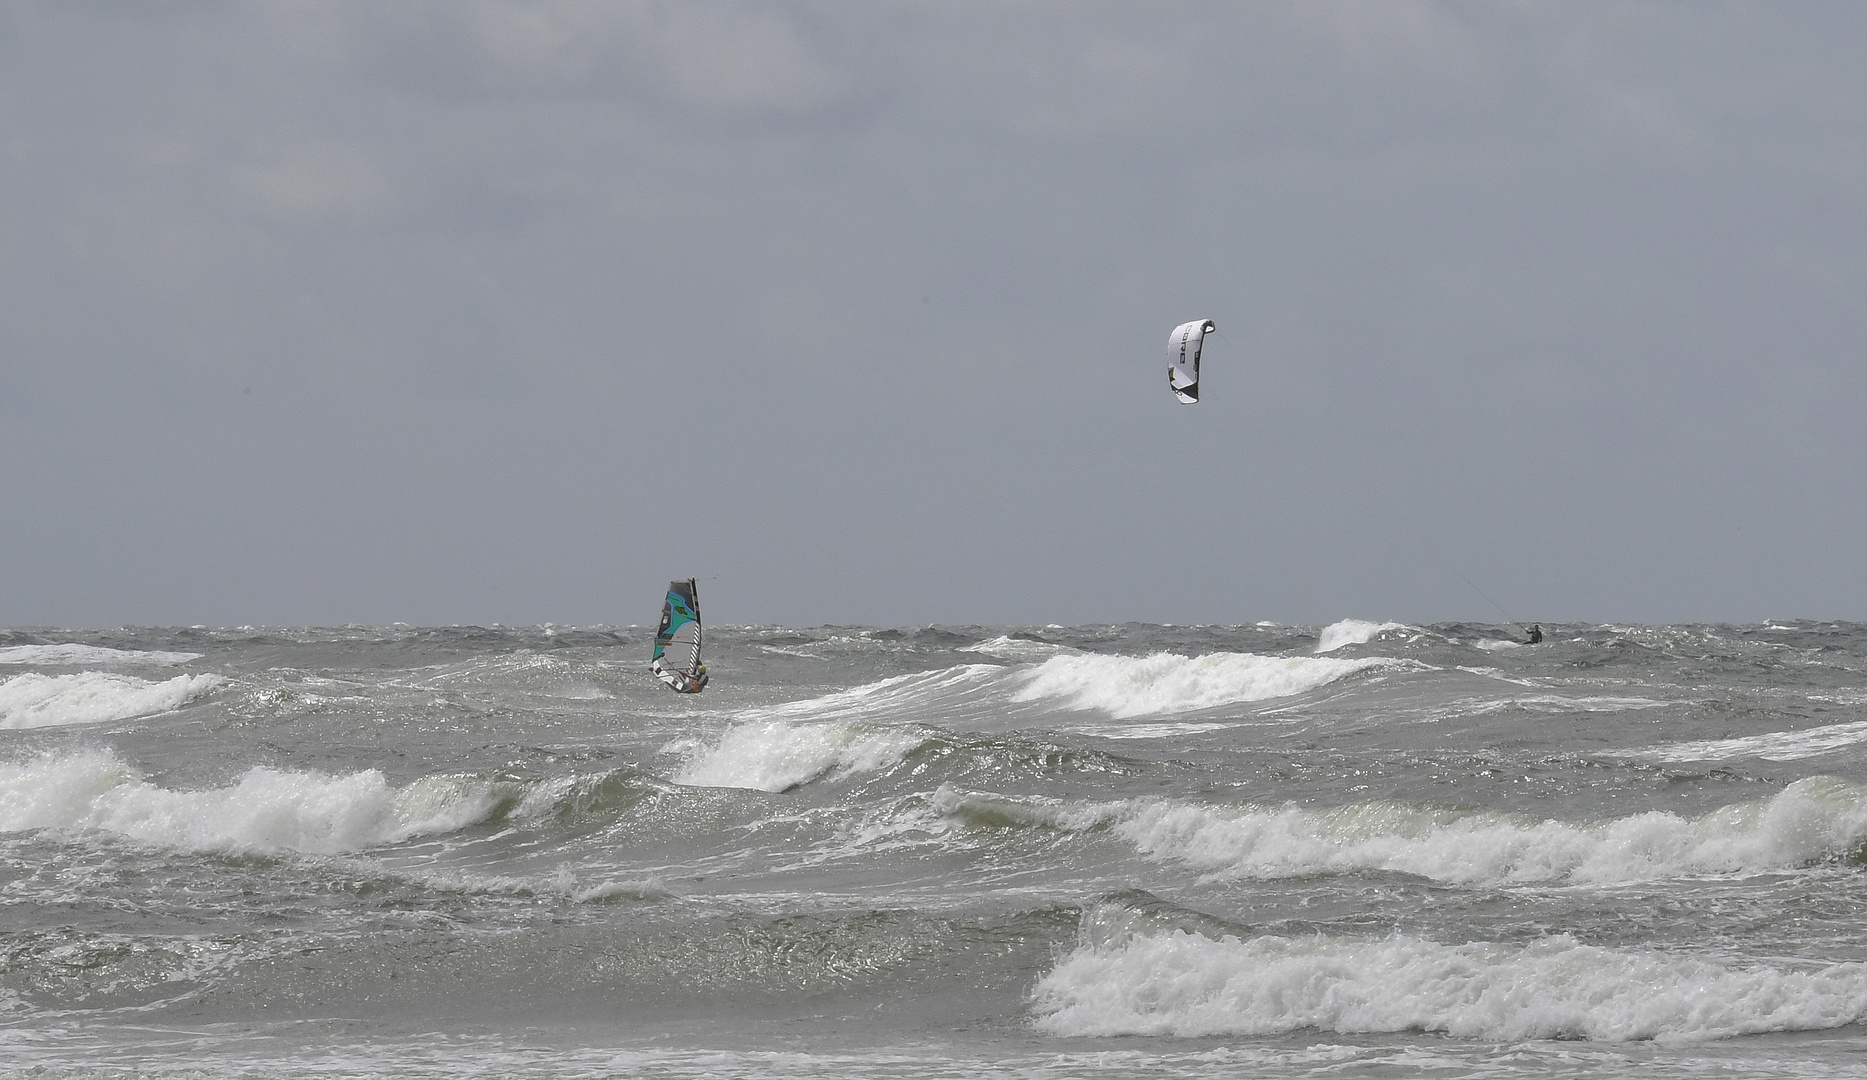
{"x":1126,"y":686}
{"x":1353,"y":632}
{"x":1770,"y":746}
{"x":777,"y":755}
{"x":1812,"y":820}
{"x":264,"y":810}
{"x":1021,"y":650}
{"x":33,"y":700}
{"x":920,"y":694}
{"x":1555,"y":703}
{"x":1151,"y":731}
{"x":97,"y":655}
{"x":1186,"y":984}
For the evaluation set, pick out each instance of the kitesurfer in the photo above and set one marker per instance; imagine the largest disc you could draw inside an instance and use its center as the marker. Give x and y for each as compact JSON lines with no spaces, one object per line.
{"x":1536,"y":633}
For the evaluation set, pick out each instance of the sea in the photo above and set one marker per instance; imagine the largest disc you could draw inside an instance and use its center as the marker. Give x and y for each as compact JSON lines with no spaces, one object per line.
{"x":1366,"y":849}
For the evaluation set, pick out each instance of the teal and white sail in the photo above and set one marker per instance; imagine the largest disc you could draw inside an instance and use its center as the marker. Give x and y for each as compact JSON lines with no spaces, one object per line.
{"x":677,"y":643}
{"x":1183,"y":348}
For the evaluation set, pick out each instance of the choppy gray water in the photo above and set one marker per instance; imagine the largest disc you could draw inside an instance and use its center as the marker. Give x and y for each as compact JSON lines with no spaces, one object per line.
{"x":1136,"y":850}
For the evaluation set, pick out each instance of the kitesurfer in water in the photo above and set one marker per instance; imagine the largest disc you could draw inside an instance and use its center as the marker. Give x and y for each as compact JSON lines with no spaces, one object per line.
{"x":1536,"y":633}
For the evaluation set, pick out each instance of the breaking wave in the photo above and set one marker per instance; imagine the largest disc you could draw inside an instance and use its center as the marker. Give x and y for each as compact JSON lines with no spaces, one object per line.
{"x":1187,"y":984}
{"x":926,"y":693}
{"x":266,"y":810}
{"x":1353,"y":632}
{"x":1127,"y":686}
{"x":1022,"y":650}
{"x":33,"y":700}
{"x":872,"y":728}
{"x":778,"y":755}
{"x":1812,"y":820}
{"x":69,"y":653}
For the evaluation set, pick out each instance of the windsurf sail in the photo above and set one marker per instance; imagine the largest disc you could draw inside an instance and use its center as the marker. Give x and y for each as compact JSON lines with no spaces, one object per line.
{"x":677,"y":643}
{"x":1183,"y":358}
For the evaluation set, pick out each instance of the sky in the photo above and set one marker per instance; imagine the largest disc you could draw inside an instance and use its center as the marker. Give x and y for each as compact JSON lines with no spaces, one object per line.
{"x":480,"y":312}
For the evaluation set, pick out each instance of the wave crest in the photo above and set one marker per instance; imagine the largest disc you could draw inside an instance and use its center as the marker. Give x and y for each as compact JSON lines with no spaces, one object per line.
{"x":1812,"y":820}
{"x":33,"y":700}
{"x":73,"y":653}
{"x":266,"y":810}
{"x":1017,"y":649}
{"x":779,"y":755}
{"x":1127,"y":686}
{"x":1186,"y":984}
{"x":1353,"y":632}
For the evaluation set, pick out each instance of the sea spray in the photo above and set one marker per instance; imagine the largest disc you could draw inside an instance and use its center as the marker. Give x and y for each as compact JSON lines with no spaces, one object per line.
{"x":1353,"y":632}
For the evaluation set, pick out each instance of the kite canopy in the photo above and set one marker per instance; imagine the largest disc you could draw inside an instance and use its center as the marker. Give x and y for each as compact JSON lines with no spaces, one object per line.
{"x":1183,"y":358}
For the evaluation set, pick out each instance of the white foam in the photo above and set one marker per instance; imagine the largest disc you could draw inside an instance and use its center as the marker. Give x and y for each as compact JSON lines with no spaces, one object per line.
{"x":1020,"y":650}
{"x":1811,"y":820}
{"x":647,"y":889}
{"x":1556,"y":703}
{"x":1149,"y":731}
{"x":33,"y":700}
{"x":565,"y":883}
{"x":1843,"y":697}
{"x":1770,"y":746}
{"x":1128,"y":686}
{"x":1490,"y":645}
{"x":921,"y":693}
{"x":786,"y":650}
{"x":778,"y":755}
{"x":70,"y":653}
{"x":1353,"y":632}
{"x":1185,"y":984}
{"x":1494,"y":673}
{"x":840,"y":734}
{"x":265,"y":810}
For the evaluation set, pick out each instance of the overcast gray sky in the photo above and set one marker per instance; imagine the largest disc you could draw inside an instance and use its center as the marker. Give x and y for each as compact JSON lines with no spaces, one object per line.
{"x":474,"y":312}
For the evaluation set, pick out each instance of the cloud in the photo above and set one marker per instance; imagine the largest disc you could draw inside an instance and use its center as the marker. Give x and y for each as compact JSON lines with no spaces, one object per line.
{"x":706,"y":56}
{"x":312,"y":180}
{"x":490,"y":260}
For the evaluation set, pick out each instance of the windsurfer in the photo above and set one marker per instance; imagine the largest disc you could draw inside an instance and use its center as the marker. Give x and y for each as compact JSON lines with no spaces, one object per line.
{"x":676,"y":660}
{"x":1536,"y":633}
